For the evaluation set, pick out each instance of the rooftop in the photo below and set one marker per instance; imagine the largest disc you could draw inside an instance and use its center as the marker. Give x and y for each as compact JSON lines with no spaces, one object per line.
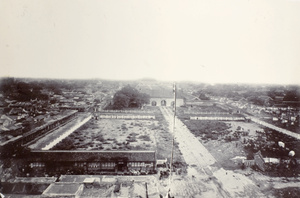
{"x":94,"y":155}
{"x":161,"y":93}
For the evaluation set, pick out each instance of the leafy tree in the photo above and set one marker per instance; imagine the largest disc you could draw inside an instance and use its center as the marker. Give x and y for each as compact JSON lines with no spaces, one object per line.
{"x":53,"y":100}
{"x":256,"y":100}
{"x":202,"y":96}
{"x":292,"y":95}
{"x":129,"y":97}
{"x":97,"y":100}
{"x":22,"y":91}
{"x":6,"y":85}
{"x":120,"y":101}
{"x":272,"y":93}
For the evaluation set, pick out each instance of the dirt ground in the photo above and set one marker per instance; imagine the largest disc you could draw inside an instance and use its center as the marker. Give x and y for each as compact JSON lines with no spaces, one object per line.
{"x":220,"y":176}
{"x":120,"y":134}
{"x":213,"y":165}
{"x":224,"y":178}
{"x":115,"y":134}
{"x":246,"y":126}
{"x":229,"y":154}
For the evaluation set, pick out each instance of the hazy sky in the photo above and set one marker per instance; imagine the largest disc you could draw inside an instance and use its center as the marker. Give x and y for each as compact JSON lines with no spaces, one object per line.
{"x":211,"y":41}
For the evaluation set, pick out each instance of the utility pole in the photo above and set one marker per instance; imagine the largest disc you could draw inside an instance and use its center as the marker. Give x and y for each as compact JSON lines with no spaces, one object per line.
{"x":173,"y":134}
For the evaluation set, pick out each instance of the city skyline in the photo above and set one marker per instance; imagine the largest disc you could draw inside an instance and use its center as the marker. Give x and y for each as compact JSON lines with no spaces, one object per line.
{"x":213,"y":42}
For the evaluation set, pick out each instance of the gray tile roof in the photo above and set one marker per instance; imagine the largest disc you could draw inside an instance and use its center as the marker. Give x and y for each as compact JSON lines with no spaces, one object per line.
{"x":71,"y":156}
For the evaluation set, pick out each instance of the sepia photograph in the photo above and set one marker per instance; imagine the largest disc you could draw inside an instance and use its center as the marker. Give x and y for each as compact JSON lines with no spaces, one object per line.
{"x":149,"y":99}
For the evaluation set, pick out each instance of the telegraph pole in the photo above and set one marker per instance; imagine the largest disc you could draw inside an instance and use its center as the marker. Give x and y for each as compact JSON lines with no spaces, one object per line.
{"x":173,"y":134}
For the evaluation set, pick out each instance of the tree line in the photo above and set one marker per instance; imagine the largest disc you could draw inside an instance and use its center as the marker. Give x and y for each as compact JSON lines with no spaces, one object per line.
{"x":129,"y":97}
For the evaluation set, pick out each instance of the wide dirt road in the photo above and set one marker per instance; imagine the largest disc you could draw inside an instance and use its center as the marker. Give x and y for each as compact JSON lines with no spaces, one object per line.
{"x":211,"y":180}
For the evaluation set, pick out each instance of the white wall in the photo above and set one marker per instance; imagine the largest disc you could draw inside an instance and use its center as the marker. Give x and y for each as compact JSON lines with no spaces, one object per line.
{"x":179,"y":101}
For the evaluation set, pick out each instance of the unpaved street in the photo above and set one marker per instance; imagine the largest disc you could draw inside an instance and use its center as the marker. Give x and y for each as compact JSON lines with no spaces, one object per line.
{"x":204,"y":170}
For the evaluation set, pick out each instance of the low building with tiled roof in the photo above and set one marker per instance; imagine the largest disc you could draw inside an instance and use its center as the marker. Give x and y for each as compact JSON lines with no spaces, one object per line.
{"x":16,"y":111}
{"x":6,"y":120}
{"x":92,"y":161}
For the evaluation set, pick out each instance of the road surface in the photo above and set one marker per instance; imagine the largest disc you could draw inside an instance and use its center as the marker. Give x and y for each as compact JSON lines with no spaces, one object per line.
{"x":211,"y":180}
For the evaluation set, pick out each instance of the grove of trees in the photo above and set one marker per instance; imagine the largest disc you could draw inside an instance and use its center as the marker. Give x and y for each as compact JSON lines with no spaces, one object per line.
{"x":22,"y":91}
{"x":129,"y":97}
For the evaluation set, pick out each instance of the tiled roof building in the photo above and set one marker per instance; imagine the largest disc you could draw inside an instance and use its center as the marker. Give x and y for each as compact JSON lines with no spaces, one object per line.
{"x":92,"y":161}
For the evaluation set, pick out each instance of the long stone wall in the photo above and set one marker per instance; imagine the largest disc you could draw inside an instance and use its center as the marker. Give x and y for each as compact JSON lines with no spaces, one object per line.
{"x":110,"y":116}
{"x":206,"y":112}
{"x":126,"y":111}
{"x":217,"y":118}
